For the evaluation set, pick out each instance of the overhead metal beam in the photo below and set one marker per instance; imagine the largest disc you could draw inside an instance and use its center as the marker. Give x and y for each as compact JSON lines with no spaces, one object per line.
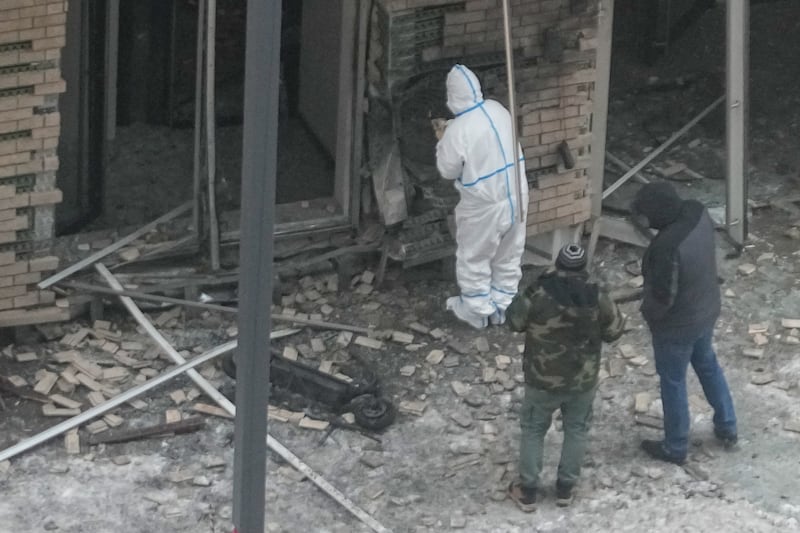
{"x":738,"y":39}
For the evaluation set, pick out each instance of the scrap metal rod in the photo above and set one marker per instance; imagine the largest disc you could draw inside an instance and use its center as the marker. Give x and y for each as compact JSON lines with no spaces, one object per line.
{"x":228,"y":406}
{"x":83,"y":263}
{"x":116,"y":401}
{"x":658,"y":151}
{"x":625,"y":167}
{"x":211,"y":307}
{"x":512,"y":108}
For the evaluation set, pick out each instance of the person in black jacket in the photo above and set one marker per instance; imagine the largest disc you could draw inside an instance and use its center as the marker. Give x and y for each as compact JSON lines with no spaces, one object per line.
{"x":681,"y":305}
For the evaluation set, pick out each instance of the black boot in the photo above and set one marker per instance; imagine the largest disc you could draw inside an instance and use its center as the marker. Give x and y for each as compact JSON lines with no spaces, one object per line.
{"x":728,"y":440}
{"x":524,"y":497}
{"x":563,"y":494}
{"x":655,"y":449}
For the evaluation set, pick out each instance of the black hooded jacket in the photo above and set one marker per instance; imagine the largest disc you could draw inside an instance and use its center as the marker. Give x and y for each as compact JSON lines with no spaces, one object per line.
{"x":681,"y":291}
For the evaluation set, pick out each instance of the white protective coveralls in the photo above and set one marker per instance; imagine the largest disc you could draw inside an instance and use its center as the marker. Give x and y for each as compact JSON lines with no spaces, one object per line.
{"x":475,"y":151}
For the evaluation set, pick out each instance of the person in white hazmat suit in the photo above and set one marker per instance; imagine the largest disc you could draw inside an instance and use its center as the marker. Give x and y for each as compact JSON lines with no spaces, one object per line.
{"x":475,"y":150}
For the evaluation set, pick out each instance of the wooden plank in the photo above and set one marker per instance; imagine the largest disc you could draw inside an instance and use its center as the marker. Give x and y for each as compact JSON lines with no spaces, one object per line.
{"x":175,"y":428}
{"x":212,"y":410}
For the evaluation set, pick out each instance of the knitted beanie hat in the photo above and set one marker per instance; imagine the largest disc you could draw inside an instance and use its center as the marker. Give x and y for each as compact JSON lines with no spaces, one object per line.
{"x":659,"y":202}
{"x":571,"y":257}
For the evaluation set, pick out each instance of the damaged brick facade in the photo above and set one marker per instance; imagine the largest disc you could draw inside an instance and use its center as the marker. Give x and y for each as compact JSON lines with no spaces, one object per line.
{"x":555,"y":47}
{"x":32,"y":34}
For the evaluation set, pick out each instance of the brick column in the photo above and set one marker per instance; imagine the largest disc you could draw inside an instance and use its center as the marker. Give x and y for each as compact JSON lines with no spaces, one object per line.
{"x":32,"y":34}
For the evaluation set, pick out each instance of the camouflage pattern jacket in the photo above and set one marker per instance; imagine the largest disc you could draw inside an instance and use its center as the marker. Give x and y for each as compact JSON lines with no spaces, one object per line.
{"x":566,"y":318}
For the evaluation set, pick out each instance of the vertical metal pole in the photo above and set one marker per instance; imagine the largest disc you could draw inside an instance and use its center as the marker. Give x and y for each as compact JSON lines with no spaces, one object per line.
{"x":512,"y":108}
{"x":173,"y":43}
{"x":112,"y":57}
{"x":259,"y":167}
{"x":198,"y":115}
{"x":344,"y":174}
{"x":211,"y":126}
{"x":738,"y":14}
{"x":605,"y":30}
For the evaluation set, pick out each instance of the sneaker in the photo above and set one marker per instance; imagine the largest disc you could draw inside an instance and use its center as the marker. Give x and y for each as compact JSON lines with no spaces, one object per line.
{"x":655,"y":449}
{"x":525,"y":498}
{"x":498,"y":318}
{"x":563,"y":494}
{"x":728,"y":440}
{"x":455,"y":305}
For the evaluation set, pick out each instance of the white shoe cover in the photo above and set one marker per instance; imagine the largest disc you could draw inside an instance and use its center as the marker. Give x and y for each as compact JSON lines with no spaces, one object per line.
{"x":498,"y":318}
{"x":456,"y":305}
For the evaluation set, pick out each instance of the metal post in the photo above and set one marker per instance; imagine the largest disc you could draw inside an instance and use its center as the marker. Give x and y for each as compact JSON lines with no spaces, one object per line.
{"x":211,"y":126}
{"x":112,"y":57}
{"x":198,"y":117}
{"x":605,"y":30}
{"x":738,"y":40}
{"x":512,"y":108}
{"x":259,"y":167}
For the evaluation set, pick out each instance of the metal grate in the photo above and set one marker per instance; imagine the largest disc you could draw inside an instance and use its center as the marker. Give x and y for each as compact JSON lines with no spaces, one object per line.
{"x":13,"y":47}
{"x":406,"y":35}
{"x":14,"y":135}
{"x":25,"y":247}
{"x":23,"y":181}
{"x":27,"y":67}
{"x":16,"y":91}
{"x":45,"y":110}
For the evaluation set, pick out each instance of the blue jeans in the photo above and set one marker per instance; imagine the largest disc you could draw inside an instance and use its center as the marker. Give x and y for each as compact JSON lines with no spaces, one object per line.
{"x":672,"y":359}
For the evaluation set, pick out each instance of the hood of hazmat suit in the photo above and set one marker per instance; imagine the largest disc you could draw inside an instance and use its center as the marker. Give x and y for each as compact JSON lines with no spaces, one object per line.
{"x":477,"y":153}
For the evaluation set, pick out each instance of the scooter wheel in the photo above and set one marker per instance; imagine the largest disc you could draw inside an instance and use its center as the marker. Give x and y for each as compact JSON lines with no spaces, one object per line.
{"x":373,"y":412}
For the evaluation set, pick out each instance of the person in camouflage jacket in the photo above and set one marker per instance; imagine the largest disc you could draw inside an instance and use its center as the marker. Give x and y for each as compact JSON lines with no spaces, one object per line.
{"x":566,"y":318}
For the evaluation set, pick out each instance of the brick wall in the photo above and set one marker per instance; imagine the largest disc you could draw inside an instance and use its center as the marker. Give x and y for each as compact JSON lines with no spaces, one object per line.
{"x":31,"y":37}
{"x":554,"y":44}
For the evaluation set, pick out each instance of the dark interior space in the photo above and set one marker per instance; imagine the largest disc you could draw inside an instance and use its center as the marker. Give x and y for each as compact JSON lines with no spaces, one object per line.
{"x":81,"y":147}
{"x":651,"y":100}
{"x":155,"y":107}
